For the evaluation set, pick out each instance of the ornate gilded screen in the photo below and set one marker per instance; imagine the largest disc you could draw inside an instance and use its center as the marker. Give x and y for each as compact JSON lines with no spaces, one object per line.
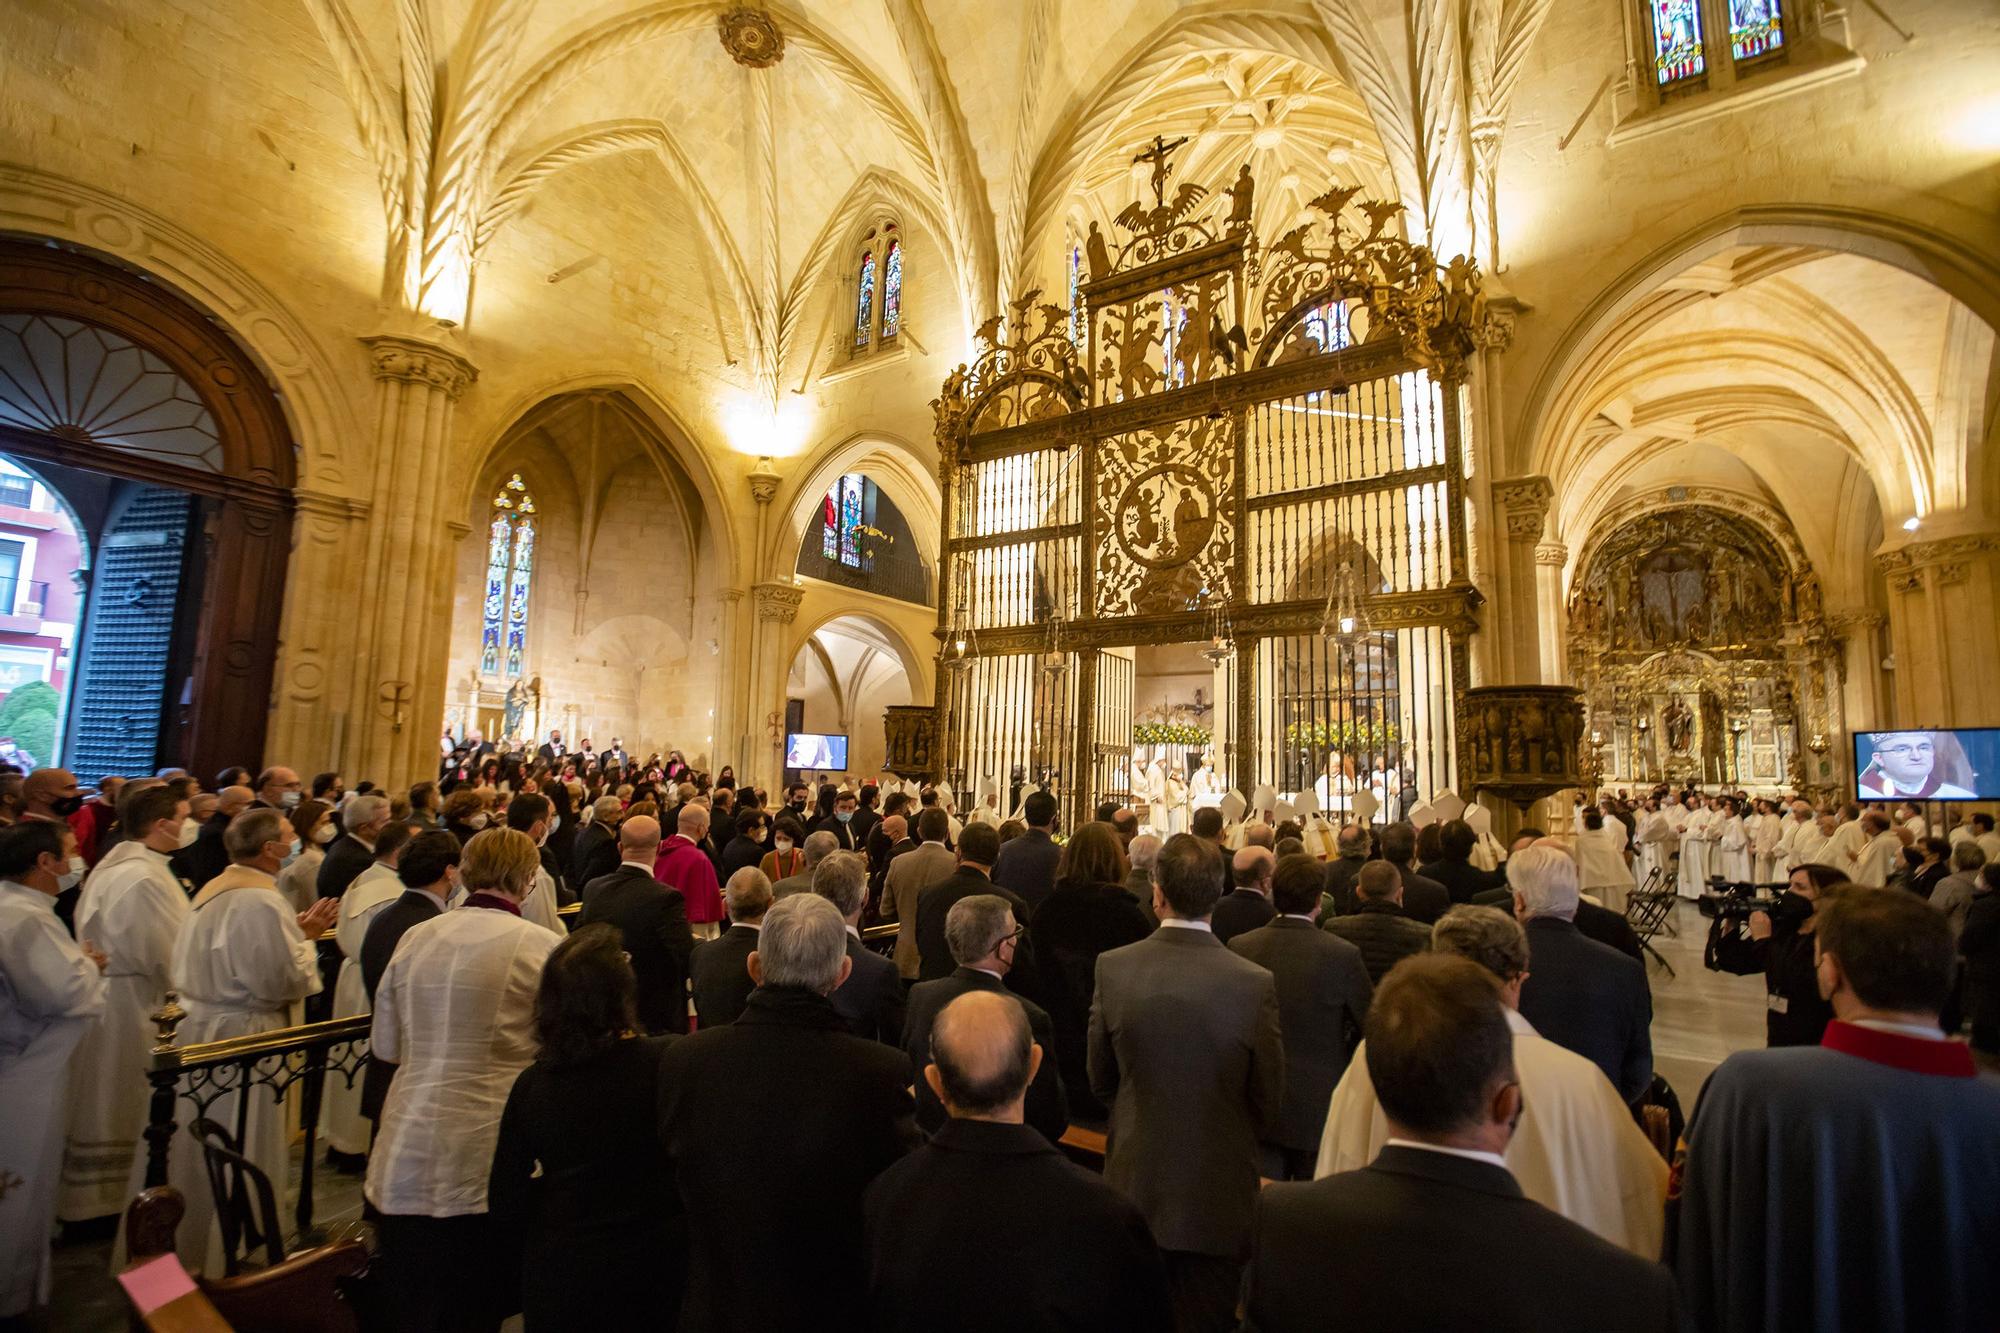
{"x":1256,"y":450}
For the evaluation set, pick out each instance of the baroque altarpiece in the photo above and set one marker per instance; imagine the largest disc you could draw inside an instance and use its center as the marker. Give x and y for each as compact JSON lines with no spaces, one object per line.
{"x":1256,"y":446}
{"x":1699,"y":638}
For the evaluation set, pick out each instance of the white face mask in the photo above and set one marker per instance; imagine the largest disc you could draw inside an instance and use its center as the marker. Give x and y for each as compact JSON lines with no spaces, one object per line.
{"x":292,"y":855}
{"x":190,"y":830}
{"x":323,"y":834}
{"x":478,"y":820}
{"x":70,"y":878}
{"x":555,"y":822}
{"x":784,"y":844}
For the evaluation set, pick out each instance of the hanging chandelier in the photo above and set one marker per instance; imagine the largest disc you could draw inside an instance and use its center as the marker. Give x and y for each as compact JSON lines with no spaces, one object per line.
{"x":1055,"y":659}
{"x":1346,"y":615}
{"x":1221,"y":645}
{"x":961,"y":642}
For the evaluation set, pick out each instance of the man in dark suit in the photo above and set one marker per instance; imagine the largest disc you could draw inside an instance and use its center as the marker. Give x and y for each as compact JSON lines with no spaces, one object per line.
{"x":1077,"y":1253}
{"x":206,"y":857}
{"x":848,"y":832}
{"x":1423,"y":898}
{"x":1379,"y":926}
{"x":721,"y":967}
{"x":595,"y":852}
{"x":1454,"y":868}
{"x":1579,"y":994}
{"x":1592,"y":922}
{"x":1248,"y":905}
{"x":978,"y":845}
{"x":780,"y":1242}
{"x":1442,"y":1061}
{"x":871,"y":999}
{"x":984,"y":938}
{"x":428,"y":869}
{"x":1352,"y":844}
{"x":1323,"y":992}
{"x":1185,"y":1049}
{"x":653,"y":919}
{"x":353,"y":851}
{"x":1027,"y":865}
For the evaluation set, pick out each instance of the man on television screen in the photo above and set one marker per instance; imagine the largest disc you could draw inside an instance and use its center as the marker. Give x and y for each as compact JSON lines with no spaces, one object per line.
{"x":810,"y":751}
{"x":1916,"y":766}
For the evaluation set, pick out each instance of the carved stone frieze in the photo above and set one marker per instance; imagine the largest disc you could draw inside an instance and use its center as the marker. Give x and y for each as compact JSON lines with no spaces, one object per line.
{"x":1554,"y":554}
{"x":778,"y":602}
{"x":414,"y":361}
{"x":1524,"y":501}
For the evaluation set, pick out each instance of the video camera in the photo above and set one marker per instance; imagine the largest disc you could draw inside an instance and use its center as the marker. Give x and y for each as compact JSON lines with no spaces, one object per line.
{"x":1726,"y":899}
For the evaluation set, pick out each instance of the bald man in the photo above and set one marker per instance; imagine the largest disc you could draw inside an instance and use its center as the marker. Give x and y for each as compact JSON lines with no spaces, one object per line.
{"x":1248,"y":905}
{"x":1078,"y":1254}
{"x":653,"y":919}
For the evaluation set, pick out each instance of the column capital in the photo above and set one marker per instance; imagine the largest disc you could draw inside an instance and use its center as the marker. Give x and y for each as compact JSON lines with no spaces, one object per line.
{"x":1524,"y":501}
{"x":1948,"y":557}
{"x":1847,"y":622}
{"x":778,"y":602}
{"x":1551,"y":553}
{"x":764,"y":481}
{"x":397,"y":356}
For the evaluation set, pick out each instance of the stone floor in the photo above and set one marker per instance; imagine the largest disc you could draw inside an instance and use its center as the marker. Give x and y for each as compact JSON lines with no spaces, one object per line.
{"x":1699,"y":1018}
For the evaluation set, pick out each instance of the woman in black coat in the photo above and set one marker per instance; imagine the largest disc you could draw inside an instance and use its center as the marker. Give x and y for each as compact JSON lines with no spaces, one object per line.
{"x":1794,"y":1013}
{"x":747,"y":848}
{"x":1087,"y":913}
{"x":599,"y":1227}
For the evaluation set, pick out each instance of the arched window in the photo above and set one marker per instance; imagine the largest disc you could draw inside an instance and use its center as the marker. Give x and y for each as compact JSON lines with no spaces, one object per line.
{"x":1756,"y":29}
{"x":510,"y":572}
{"x":1677,"y":45}
{"x":878,"y":289}
{"x":1678,"y":34}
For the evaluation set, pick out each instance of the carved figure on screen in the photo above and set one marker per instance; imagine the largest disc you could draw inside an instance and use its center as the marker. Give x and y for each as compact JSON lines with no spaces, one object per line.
{"x":1677,"y":721}
{"x":1098,"y":253}
{"x":1241,"y":197}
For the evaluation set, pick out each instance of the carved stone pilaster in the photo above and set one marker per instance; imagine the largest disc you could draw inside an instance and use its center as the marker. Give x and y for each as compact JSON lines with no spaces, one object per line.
{"x":778,"y":603}
{"x":415,"y":361}
{"x":1524,"y":501}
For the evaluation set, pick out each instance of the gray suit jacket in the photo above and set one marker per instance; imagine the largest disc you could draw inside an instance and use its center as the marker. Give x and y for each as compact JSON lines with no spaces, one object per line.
{"x":1323,"y":995}
{"x":1185,"y":1048}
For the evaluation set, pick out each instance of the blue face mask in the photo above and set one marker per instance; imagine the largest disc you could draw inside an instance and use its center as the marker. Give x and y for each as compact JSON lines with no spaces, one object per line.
{"x":844,"y":816}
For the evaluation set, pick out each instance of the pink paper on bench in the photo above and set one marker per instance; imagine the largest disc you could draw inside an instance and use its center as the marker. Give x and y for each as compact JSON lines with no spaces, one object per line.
{"x":155,"y":1282}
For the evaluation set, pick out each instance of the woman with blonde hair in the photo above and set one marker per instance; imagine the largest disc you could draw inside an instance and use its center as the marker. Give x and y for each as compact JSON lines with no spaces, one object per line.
{"x":455,"y":1013}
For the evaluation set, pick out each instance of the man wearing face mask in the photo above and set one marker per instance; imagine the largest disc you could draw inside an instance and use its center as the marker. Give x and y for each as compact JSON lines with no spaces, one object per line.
{"x":534,"y":815}
{"x":354,"y":851}
{"x":51,"y":795}
{"x":841,"y":823}
{"x":1794,"y":1012}
{"x":277,"y":788}
{"x":51,"y":991}
{"x":132,"y":908}
{"x":203,"y":857}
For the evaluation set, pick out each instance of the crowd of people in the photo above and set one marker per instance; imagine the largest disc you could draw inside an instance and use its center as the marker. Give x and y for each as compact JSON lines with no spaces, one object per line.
{"x":702,"y":1101}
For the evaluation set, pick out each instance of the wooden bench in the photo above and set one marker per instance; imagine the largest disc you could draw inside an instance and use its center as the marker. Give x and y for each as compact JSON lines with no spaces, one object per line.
{"x":306,"y":1293}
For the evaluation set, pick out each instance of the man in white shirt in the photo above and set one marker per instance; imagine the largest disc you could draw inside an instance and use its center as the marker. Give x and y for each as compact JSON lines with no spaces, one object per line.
{"x":1576,"y":1150}
{"x":132,"y":907}
{"x":1880,"y":855}
{"x":1843,"y":849}
{"x":242,"y":963}
{"x":1984,"y":835}
{"x":50,"y":992}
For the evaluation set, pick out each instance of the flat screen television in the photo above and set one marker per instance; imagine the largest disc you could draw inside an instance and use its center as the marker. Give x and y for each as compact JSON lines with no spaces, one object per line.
{"x":812,"y":751}
{"x":1939,"y":764}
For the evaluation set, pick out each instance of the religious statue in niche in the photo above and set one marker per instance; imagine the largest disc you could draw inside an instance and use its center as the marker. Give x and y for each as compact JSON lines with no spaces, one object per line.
{"x":516,"y":714}
{"x":1677,"y":721}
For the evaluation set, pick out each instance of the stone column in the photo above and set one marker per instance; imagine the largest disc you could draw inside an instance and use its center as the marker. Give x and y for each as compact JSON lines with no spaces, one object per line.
{"x":1550,"y":558}
{"x":777,"y":605}
{"x":1944,"y":602}
{"x":1522,"y":504}
{"x":1859,"y":698}
{"x":400,"y":595}
{"x":728,"y":745}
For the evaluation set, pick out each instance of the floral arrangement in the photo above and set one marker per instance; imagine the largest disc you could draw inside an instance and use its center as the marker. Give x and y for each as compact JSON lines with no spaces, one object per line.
{"x":1170,"y":733}
{"x":1348,"y":734}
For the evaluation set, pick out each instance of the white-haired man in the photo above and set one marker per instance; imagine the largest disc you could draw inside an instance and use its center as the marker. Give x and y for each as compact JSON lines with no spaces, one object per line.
{"x":1580,"y":994}
{"x":354,"y":851}
{"x":845,"y":1107}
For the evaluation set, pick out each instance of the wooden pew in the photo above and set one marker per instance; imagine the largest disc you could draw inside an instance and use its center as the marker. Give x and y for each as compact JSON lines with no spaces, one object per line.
{"x":307,"y":1293}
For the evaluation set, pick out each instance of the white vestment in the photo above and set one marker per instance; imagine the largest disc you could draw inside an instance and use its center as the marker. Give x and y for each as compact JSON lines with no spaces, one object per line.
{"x":1600,"y":859}
{"x":1207,"y":788}
{"x":132,"y":908}
{"x":455,"y":1013}
{"x":1657,"y":840}
{"x":1879,"y":857}
{"x":49,"y":995}
{"x":298,"y":883}
{"x":1917,"y":827}
{"x":1696,"y":842}
{"x":1765,"y":834}
{"x":1733,"y":844}
{"x":346,"y":1129}
{"x":1577,"y":1150}
{"x":241,"y":965}
{"x":1843,"y":849}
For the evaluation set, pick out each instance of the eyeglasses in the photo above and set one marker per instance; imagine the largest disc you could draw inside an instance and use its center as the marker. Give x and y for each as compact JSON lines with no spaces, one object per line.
{"x":1906,"y":751}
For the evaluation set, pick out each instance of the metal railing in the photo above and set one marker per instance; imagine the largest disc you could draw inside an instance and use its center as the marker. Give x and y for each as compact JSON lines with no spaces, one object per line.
{"x":904,"y":580}
{"x":280,"y":1060}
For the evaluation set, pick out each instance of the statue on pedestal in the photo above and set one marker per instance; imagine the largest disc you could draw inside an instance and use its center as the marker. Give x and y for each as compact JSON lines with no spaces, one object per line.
{"x":516,"y":713}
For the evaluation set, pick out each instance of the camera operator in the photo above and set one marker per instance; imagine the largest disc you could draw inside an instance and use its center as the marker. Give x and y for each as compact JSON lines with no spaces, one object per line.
{"x":1795,"y":1015}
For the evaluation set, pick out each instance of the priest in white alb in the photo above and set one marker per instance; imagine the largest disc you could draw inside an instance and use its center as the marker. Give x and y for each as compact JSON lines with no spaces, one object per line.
{"x":243,"y":962}
{"x":51,"y":990}
{"x":132,"y":908}
{"x":347,"y":1130}
{"x":1576,"y":1151}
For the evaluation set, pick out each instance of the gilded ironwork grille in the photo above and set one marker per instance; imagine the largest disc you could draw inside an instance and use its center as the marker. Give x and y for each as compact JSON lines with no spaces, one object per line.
{"x":1258,"y":449}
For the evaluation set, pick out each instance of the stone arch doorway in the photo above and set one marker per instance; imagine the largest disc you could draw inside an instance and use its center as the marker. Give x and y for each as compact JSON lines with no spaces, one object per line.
{"x":844,"y":675}
{"x":126,"y":398}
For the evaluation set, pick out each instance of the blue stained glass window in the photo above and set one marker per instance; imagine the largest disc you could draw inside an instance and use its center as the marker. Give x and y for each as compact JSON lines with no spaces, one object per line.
{"x":1327,"y":326}
{"x":850,"y":521}
{"x":1756,"y":28}
{"x":892,"y":290}
{"x":510,"y":569}
{"x":1677,"y":49}
{"x":864,"y":303}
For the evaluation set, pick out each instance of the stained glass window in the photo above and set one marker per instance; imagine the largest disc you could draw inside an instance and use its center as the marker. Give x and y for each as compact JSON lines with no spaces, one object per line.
{"x":830,"y":521}
{"x":1076,"y":294}
{"x":846,"y":510}
{"x":1755,"y":28}
{"x":1327,"y":326}
{"x":1677,"y":50}
{"x":864,"y":303}
{"x":510,"y":569}
{"x":892,"y":289}
{"x":850,"y":521}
